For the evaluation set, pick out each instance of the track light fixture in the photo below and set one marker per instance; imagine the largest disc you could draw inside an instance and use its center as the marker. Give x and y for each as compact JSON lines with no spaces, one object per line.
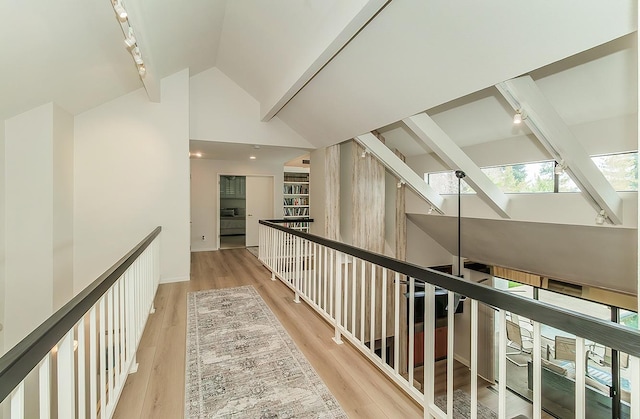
{"x":559,"y":168}
{"x":130,"y":40}
{"x":136,"y":56}
{"x":519,"y":116}
{"x":431,"y":209}
{"x":142,"y":70}
{"x":120,"y":11}
{"x":364,"y":153}
{"x":601,"y":217}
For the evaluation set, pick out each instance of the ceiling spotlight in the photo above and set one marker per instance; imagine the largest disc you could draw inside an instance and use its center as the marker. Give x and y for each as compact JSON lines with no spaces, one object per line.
{"x":601,"y":217}
{"x":122,"y":14}
{"x":519,"y":117}
{"x":142,"y":70}
{"x":130,"y":40}
{"x":400,"y":184}
{"x":364,"y":153}
{"x":252,"y":157}
{"x":136,"y":56}
{"x":559,"y":168}
{"x":431,"y":209}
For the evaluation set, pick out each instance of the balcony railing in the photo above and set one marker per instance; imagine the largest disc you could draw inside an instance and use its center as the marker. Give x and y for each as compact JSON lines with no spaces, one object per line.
{"x":82,"y":354}
{"x":372,"y":300}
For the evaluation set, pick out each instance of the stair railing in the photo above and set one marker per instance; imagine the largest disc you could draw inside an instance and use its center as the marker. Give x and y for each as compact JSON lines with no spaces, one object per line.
{"x":82,"y":354}
{"x":348,"y":286}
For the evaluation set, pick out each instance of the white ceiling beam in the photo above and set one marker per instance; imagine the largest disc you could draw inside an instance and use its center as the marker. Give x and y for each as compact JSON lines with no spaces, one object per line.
{"x":554,"y":134}
{"x":400,"y":169}
{"x":151,"y":80}
{"x":366,"y":13}
{"x":437,"y":140}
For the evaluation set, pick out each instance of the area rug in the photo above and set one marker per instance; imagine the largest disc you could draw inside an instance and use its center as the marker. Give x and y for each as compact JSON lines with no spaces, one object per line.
{"x":241,"y":363}
{"x":462,"y":406}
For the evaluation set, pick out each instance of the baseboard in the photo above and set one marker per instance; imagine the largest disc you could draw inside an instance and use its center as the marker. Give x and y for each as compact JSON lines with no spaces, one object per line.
{"x":462,"y":360}
{"x":204,"y":249}
{"x":174,"y":279}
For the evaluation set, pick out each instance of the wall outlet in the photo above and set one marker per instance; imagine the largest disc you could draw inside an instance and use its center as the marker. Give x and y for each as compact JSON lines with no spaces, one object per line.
{"x":203,"y":238}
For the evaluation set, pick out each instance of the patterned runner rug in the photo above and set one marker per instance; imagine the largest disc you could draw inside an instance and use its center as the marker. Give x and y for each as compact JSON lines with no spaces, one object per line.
{"x":462,"y":406}
{"x":242,"y":363}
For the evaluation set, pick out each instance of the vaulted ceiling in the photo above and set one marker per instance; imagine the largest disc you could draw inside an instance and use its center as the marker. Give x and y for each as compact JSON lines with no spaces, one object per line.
{"x":332,"y":69}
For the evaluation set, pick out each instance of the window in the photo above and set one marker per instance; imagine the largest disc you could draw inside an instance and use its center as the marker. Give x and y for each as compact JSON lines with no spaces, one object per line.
{"x":522,"y":178}
{"x":621,"y":170}
{"x":446,"y":183}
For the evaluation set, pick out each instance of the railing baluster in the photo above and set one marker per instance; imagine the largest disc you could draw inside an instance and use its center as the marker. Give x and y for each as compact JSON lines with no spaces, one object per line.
{"x":502,"y":364}
{"x":338,"y":296}
{"x":297,"y":279}
{"x":82,"y":373}
{"x":429,"y":348}
{"x":537,"y":372}
{"x":450,"y":349}
{"x":44,"y":386}
{"x":110,"y":355}
{"x":103,"y":361}
{"x":581,"y":365}
{"x":332,"y":259}
{"x":372,"y":320}
{"x":474,"y":358}
{"x":344,"y":288}
{"x":363,"y":297}
{"x":66,"y":377}
{"x":17,"y":402}
{"x":396,"y":332}
{"x":93,"y":370}
{"x":383,"y":320}
{"x":116,"y":332}
{"x":412,"y":328}
{"x":354,"y":264}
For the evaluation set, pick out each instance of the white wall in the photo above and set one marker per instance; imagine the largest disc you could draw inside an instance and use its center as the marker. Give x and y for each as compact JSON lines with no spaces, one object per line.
{"x":2,"y":240}
{"x":28,"y":222}
{"x":423,"y":250}
{"x":132,"y":175}
{"x":222,"y":111}
{"x":62,"y":207}
{"x":204,"y":198}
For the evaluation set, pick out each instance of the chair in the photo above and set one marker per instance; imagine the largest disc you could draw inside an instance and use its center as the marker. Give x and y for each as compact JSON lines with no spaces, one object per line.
{"x":517,"y":341}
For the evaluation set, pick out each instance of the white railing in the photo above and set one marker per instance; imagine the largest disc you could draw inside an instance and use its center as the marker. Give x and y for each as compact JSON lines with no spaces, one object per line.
{"x":349,"y":286}
{"x":82,"y":374}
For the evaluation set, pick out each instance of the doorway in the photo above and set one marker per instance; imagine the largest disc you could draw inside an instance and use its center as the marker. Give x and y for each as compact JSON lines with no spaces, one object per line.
{"x":243,"y":201}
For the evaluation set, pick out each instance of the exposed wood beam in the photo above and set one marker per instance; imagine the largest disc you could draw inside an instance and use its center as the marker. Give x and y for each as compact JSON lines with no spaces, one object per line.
{"x":437,"y":140}
{"x":368,"y":11}
{"x":544,"y":121}
{"x":400,"y":169}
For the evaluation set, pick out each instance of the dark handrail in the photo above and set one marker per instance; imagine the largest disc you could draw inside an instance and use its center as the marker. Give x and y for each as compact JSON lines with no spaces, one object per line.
{"x":22,"y":358}
{"x":291,"y":220}
{"x":617,"y":336}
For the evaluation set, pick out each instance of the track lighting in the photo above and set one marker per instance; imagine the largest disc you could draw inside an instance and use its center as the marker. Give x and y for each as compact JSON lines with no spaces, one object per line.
{"x":601,"y":217}
{"x":136,"y":56}
{"x":120,"y":11}
{"x":559,"y":168}
{"x":142,"y":70}
{"x":400,"y":184}
{"x":519,"y":116}
{"x":364,"y":153}
{"x":430,"y":210}
{"x":130,"y":40}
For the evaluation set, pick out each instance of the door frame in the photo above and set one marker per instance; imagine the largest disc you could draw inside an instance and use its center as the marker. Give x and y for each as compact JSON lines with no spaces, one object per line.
{"x":246,"y":175}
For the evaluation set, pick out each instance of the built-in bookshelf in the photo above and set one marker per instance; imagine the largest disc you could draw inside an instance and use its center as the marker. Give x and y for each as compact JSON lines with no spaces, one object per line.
{"x":295,"y":203}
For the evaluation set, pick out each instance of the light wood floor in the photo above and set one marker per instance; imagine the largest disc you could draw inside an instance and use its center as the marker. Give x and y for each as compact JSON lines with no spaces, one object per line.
{"x":157,"y":389}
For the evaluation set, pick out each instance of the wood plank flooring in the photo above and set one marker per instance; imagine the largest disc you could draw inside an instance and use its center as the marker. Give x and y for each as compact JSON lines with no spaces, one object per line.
{"x":157,"y":389}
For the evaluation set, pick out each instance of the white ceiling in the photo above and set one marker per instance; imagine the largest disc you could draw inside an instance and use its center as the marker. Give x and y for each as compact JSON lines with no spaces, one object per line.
{"x":70,"y":52}
{"x":240,"y":152}
{"x":414,"y":55}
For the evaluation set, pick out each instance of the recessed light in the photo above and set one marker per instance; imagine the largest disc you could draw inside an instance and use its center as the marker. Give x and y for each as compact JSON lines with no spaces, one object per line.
{"x":252,"y":157}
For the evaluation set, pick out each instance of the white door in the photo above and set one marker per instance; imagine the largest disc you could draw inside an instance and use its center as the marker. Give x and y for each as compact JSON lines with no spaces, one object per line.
{"x":259,"y":205}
